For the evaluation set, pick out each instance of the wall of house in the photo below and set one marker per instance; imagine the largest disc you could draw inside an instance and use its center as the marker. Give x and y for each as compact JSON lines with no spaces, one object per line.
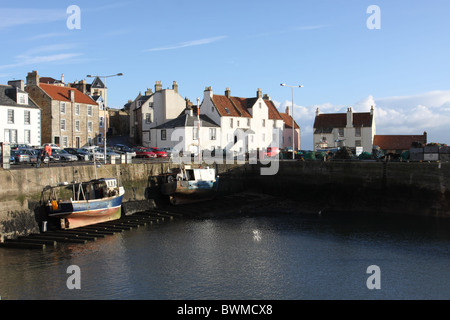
{"x":44,"y":102}
{"x":19,"y":124}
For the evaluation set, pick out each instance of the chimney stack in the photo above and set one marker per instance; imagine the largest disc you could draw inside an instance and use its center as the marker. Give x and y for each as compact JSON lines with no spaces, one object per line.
{"x":33,"y":78}
{"x":72,"y":95}
{"x":175,"y":87}
{"x":349,"y":117}
{"x":158,"y":86}
{"x":227,"y":93}
{"x":259,"y":93}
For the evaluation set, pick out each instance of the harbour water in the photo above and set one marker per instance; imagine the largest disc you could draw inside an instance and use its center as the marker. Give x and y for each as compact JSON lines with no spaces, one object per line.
{"x":272,"y":255}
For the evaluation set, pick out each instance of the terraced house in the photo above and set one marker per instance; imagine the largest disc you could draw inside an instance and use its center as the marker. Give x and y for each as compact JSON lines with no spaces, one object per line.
{"x":69,"y":117}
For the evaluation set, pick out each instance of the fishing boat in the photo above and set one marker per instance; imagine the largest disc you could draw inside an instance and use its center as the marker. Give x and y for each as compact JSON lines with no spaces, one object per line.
{"x":190,"y":185}
{"x":84,"y":203}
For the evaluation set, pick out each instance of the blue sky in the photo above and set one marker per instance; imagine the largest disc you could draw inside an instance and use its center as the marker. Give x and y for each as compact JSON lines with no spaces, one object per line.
{"x":403,"y":68}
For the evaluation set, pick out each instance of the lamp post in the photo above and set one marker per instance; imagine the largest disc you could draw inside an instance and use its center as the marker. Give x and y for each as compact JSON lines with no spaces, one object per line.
{"x":104,"y":109}
{"x":293,"y":121}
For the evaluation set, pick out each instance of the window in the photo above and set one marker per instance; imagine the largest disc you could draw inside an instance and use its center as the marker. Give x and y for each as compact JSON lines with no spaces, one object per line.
{"x":90,"y":127}
{"x":237,"y":123}
{"x":194,"y":133}
{"x":100,"y":122}
{"x":62,"y":107}
{"x":260,"y":105}
{"x":77,"y":109}
{"x":27,"y":137}
{"x":22,"y":99}
{"x":89,"y":110}
{"x":163,"y":134}
{"x":357,"y":132}
{"x":212,"y":109}
{"x":341,"y":132}
{"x":263,"y":137}
{"x":248,"y":122}
{"x":357,"y":143}
{"x":263,"y":122}
{"x":212,"y":133}
{"x":228,"y":111}
{"x":10,"y":116}
{"x":77,"y":125}
{"x":11,"y":135}
{"x":231,"y":123}
{"x":65,"y":142}
{"x":63,"y":124}
{"x":148,"y":118}
{"x":27,"y":117}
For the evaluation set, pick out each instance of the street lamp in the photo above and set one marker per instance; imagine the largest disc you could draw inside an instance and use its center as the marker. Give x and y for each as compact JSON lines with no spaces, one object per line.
{"x":104,"y":108}
{"x":293,"y":121}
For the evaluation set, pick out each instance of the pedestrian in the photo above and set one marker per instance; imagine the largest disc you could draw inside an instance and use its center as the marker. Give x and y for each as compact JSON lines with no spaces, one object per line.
{"x":40,"y":158}
{"x":48,"y":153}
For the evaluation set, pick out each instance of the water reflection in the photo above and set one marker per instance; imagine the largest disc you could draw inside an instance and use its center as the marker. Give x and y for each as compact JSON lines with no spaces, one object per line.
{"x":276,"y":256}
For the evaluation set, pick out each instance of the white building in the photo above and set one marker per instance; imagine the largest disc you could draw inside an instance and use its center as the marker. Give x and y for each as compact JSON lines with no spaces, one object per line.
{"x":350,"y":129}
{"x":246,"y":124}
{"x":20,"y":117}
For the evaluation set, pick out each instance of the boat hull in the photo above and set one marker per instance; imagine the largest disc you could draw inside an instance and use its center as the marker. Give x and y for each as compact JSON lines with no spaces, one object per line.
{"x":182,"y":192}
{"x":75,"y":214}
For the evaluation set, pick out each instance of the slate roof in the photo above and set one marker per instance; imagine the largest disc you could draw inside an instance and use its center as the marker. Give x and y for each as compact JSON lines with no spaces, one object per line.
{"x":398,"y":142}
{"x":98,"y":84}
{"x":62,"y":94}
{"x":339,"y":120}
{"x":185,"y":120}
{"x":6,"y":98}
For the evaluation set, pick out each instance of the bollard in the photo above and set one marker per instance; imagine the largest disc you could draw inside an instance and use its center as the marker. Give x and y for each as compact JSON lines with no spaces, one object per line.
{"x":44,"y":226}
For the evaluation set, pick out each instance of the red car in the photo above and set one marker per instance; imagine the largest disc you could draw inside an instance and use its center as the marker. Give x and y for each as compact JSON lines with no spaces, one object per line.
{"x":142,"y":152}
{"x":272,"y":152}
{"x":160,"y":153}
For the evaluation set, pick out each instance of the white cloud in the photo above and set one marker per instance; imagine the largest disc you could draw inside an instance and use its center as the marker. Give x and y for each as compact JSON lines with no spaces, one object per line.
{"x":188,"y":44}
{"x":12,"y":17}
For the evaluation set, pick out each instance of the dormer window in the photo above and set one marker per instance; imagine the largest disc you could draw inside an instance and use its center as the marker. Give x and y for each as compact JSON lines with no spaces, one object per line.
{"x":22,"y":98}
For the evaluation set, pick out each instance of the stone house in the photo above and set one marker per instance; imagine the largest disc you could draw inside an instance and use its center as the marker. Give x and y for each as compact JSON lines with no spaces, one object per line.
{"x":153,"y":109}
{"x":350,"y":129}
{"x":20,"y":117}
{"x":69,"y":117}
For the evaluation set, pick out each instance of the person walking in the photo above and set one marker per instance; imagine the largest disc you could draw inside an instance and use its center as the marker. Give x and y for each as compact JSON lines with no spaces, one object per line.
{"x":48,"y":153}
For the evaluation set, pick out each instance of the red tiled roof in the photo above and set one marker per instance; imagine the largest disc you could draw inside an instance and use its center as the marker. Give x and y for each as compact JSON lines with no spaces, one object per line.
{"x":238,"y":107}
{"x":288,"y":121}
{"x":339,"y":120}
{"x":397,"y":142}
{"x":62,"y":94}
{"x":273,"y":111}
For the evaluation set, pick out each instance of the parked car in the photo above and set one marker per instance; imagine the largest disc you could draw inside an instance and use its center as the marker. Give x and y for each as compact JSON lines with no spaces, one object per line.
{"x":92,"y":151}
{"x":81,"y":154}
{"x":63,"y":155}
{"x":160,"y":153}
{"x":20,"y":156}
{"x":123,"y":149}
{"x":32,"y":153}
{"x":142,"y":152}
{"x":15,"y":146}
{"x":109,"y":153}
